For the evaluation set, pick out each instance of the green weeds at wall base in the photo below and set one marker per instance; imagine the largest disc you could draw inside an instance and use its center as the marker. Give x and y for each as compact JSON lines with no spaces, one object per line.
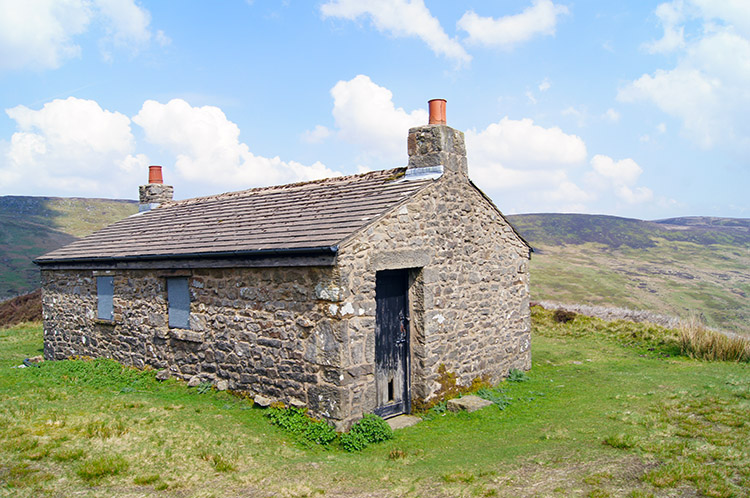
{"x":370,"y":429}
{"x":449,"y":388}
{"x":307,"y":430}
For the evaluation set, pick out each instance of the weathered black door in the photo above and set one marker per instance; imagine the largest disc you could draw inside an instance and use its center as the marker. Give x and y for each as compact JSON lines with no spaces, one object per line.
{"x":392,"y":342}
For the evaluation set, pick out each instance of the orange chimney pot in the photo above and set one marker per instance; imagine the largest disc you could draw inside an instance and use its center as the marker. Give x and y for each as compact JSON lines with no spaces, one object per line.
{"x":437,"y":111}
{"x":154,"y":174}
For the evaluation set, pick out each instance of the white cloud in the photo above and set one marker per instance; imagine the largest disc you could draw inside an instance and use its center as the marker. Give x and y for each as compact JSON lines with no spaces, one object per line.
{"x":734,"y":12}
{"x":540,"y":19}
{"x":126,"y":22}
{"x":74,"y":147}
{"x":707,"y":88}
{"x":515,"y":153}
{"x":513,"y":156}
{"x":619,"y":177}
{"x":365,"y":115}
{"x":624,"y":172}
{"x":162,"y":39}
{"x":400,"y":18}
{"x":635,"y":195}
{"x":67,"y":147}
{"x":671,"y":16}
{"x":316,"y":135}
{"x":581,"y":115}
{"x":208,"y":150}
{"x":41,"y":34}
{"x":523,"y":143}
{"x":524,"y":166}
{"x":38,"y":33}
{"x":566,"y":197}
{"x":612,"y":115}
{"x":544,"y":85}
{"x":127,"y":27}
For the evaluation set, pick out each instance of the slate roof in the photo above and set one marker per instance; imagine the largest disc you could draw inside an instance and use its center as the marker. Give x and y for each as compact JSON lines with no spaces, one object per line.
{"x":300,"y":217}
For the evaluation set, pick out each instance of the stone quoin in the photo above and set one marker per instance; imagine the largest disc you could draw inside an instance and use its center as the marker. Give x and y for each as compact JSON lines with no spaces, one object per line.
{"x":344,"y":295}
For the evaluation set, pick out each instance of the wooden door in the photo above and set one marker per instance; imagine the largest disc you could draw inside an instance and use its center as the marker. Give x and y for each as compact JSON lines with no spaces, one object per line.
{"x":392,"y":342}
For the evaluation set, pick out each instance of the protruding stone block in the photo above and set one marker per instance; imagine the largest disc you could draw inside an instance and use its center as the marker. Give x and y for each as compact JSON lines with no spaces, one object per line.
{"x":469,"y":404}
{"x":262,"y":401}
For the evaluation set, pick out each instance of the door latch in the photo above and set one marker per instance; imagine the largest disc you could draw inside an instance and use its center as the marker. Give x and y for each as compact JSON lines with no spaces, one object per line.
{"x":403,"y":320}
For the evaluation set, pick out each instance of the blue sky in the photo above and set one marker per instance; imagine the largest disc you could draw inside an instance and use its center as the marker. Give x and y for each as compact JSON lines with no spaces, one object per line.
{"x":634,"y":109}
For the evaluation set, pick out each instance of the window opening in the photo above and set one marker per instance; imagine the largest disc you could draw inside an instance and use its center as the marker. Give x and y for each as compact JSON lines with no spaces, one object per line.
{"x":178,"y":296}
{"x":104,"y":298}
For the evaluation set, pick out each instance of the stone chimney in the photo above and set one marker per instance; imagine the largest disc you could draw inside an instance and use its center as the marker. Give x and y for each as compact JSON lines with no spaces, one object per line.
{"x":436,"y":146}
{"x":153,"y":194}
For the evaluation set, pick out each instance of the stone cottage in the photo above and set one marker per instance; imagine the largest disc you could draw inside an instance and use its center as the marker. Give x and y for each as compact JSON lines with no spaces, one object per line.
{"x":344,"y":295}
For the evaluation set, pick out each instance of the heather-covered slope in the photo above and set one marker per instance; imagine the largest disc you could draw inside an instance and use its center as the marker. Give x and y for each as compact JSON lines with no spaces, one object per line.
{"x":32,"y":226}
{"x":679,"y":266}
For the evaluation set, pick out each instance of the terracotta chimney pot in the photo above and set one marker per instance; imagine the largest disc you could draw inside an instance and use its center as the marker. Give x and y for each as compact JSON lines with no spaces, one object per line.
{"x":155,"y":192}
{"x":437,"y":111}
{"x":154,"y":174}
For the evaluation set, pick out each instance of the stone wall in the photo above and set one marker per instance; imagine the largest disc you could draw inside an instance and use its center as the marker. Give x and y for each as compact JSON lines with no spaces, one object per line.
{"x":306,"y":335}
{"x":469,"y":291}
{"x":268,"y":331}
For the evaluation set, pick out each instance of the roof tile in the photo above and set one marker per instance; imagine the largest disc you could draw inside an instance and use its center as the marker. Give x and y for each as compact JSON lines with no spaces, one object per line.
{"x":315,"y":214}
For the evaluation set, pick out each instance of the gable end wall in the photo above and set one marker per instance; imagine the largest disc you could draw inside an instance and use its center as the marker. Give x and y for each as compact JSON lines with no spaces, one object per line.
{"x":469,"y":297}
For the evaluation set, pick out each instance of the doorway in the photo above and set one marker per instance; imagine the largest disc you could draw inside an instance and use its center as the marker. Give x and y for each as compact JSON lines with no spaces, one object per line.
{"x":392,"y":342}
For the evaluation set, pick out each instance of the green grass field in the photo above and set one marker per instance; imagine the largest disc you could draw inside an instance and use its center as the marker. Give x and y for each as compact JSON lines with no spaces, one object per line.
{"x":608,"y":410}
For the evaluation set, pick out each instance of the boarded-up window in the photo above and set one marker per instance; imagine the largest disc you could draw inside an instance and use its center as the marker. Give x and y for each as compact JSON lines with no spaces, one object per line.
{"x":178,"y":296}
{"x":104,"y":291}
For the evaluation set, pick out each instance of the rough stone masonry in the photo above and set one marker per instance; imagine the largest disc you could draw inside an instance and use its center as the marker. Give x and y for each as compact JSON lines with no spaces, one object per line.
{"x":304,"y":333}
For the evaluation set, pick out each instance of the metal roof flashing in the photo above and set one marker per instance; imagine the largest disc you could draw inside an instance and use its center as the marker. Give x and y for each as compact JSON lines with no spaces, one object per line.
{"x":425,"y":173}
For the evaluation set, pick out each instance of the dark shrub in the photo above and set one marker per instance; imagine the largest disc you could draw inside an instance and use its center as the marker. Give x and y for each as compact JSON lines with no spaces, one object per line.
{"x":563,"y":316}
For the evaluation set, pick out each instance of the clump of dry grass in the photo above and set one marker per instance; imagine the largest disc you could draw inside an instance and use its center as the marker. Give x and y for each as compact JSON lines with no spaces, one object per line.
{"x":698,"y":341}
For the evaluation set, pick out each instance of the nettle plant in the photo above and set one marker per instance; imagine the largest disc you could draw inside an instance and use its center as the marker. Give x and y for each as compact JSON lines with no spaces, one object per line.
{"x":309,"y":431}
{"x":370,"y":429}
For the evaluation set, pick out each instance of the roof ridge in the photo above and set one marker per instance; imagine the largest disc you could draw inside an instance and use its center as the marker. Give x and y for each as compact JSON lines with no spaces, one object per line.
{"x":279,"y":188}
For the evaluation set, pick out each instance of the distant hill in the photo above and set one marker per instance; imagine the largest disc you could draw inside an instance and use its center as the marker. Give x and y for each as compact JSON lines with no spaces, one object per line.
{"x":32,"y":226}
{"x":677,"y":266}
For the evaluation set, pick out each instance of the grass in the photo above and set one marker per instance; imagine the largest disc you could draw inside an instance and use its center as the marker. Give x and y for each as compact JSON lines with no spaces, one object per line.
{"x":608,"y":409}
{"x":95,"y":469}
{"x":699,"y":342}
